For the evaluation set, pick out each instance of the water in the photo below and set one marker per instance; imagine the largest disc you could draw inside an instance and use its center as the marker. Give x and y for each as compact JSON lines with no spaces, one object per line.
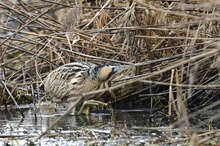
{"x":124,"y":127}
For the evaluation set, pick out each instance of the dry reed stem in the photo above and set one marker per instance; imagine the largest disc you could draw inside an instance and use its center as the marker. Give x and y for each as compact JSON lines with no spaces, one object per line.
{"x":171,"y":100}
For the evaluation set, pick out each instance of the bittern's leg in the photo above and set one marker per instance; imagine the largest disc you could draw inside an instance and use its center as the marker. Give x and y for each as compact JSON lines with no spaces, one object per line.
{"x":90,"y":102}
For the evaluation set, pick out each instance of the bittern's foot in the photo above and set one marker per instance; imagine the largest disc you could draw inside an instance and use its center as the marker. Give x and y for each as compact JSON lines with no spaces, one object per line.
{"x":90,"y":102}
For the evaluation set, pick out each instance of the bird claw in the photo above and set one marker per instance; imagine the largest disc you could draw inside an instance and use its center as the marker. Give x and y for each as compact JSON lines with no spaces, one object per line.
{"x":90,"y":102}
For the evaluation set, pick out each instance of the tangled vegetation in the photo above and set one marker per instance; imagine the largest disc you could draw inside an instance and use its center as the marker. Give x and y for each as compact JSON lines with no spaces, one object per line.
{"x":173,"y":46}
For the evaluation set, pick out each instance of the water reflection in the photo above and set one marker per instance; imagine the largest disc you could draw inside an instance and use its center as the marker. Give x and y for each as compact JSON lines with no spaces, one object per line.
{"x":82,"y":129}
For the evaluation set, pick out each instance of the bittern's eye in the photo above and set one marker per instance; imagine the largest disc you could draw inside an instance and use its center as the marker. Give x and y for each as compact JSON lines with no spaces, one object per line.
{"x":115,"y":69}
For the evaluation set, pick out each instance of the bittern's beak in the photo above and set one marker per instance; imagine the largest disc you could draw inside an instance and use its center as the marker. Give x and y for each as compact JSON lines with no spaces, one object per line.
{"x":120,"y":68}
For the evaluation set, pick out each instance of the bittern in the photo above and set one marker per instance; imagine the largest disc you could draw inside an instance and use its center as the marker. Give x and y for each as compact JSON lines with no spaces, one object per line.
{"x":68,"y":82}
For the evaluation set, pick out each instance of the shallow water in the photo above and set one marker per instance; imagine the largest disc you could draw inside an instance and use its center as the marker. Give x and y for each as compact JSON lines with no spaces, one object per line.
{"x":123,"y":127}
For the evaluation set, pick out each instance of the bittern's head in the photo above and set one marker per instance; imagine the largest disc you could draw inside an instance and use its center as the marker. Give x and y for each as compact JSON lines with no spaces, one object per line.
{"x":108,"y":72}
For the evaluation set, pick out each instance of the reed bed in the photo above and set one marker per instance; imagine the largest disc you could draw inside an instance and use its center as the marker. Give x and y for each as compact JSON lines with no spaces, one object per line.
{"x":173,"y":46}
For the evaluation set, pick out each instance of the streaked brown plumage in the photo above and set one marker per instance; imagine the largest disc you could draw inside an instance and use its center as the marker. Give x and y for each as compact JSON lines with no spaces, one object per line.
{"x":66,"y":83}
